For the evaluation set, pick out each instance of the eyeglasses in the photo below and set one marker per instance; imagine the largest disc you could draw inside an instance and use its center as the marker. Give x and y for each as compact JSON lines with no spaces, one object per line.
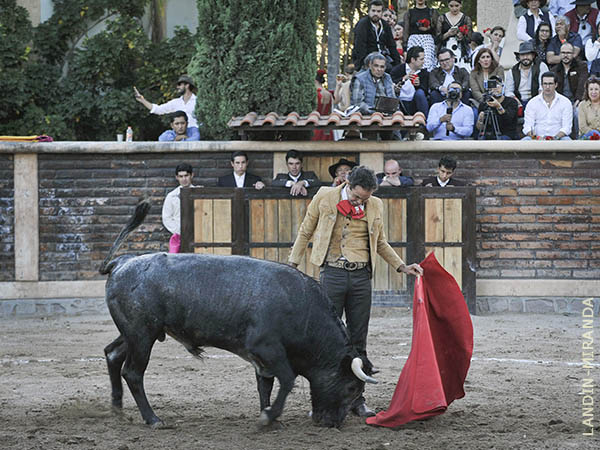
{"x":445,"y":60}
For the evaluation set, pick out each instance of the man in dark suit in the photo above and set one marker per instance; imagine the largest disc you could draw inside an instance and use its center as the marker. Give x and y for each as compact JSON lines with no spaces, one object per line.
{"x":446,"y":168}
{"x":239,"y":177}
{"x":296,"y":179}
{"x":413,"y":72}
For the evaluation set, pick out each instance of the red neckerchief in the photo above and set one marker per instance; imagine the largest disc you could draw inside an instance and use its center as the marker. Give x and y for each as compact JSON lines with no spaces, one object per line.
{"x":347,"y":210}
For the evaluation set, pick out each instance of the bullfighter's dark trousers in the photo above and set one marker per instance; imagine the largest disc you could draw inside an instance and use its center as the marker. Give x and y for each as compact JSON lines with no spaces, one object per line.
{"x":350,"y":292}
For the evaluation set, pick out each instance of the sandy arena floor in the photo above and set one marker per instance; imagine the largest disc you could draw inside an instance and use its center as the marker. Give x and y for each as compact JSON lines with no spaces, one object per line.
{"x":523,"y":391}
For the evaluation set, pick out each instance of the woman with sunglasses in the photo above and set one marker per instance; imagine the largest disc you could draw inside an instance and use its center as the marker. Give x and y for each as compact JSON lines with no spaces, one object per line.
{"x":589,"y":110}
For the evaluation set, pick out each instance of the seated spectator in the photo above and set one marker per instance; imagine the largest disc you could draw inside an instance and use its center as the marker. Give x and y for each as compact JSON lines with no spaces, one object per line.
{"x":441,"y":77}
{"x":499,"y":110}
{"x":560,"y":7}
{"x":542,"y":40}
{"x":534,"y":15}
{"x":412,"y":73}
{"x":592,"y":47}
{"x":392,"y":175}
{"x":179,"y":129}
{"x":454,"y":30}
{"x":562,"y":35}
{"x":445,"y":170}
{"x":375,"y":82}
{"x":420,"y":29}
{"x":475,"y":45}
{"x":296,"y":179}
{"x":589,"y":109}
{"x":240,"y":177}
{"x":340,"y":170}
{"x":584,"y":20}
{"x":451,"y":119}
{"x":389,"y":15}
{"x":496,"y":35}
{"x":484,"y":68}
{"x":341,"y":95}
{"x":572,"y":75}
{"x":523,"y":81}
{"x":324,"y":106}
{"x":549,"y":115}
{"x":372,"y":34}
{"x":398,"y":33}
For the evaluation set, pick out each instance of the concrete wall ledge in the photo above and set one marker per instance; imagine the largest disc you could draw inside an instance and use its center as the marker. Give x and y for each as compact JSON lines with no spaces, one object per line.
{"x":304,"y":146}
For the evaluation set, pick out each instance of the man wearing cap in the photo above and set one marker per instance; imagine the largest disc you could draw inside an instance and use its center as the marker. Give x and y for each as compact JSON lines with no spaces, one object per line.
{"x":392,"y":175}
{"x":186,"y":103}
{"x":345,"y":224}
{"x":584,"y":20}
{"x":523,"y":80}
{"x":340,"y":170}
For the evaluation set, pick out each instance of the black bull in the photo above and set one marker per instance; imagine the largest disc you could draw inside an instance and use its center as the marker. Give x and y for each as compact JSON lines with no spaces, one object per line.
{"x":267,"y":313}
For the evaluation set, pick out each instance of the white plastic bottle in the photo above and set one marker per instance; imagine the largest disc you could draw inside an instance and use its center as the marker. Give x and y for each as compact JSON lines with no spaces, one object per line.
{"x":129,"y":135}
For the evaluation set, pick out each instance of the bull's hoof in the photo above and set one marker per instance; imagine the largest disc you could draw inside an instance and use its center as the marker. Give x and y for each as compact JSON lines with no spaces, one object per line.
{"x":157,"y":424}
{"x":264,"y":418}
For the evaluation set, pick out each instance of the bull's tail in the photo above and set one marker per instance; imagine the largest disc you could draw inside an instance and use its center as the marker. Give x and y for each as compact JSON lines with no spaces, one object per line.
{"x":141,"y":211}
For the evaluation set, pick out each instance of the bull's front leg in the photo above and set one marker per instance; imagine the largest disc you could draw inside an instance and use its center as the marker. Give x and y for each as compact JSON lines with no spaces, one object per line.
{"x":265,"y":387}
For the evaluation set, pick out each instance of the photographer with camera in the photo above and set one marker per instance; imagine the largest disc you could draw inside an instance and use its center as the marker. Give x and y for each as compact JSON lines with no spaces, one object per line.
{"x":497,"y":118}
{"x":451,"y":119}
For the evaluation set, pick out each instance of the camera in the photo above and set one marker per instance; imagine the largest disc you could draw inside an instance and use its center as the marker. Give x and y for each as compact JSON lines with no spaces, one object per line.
{"x":454,"y":93}
{"x":489,"y":87}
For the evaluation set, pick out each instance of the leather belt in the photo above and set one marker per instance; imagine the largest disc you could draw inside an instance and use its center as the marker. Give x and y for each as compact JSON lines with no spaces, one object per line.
{"x":347,"y":265}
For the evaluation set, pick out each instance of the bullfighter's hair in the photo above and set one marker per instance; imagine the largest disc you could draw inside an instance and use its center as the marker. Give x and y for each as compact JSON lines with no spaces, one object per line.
{"x":141,"y":211}
{"x":364,"y":177}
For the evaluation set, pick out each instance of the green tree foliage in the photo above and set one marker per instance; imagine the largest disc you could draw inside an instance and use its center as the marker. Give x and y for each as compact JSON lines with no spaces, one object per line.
{"x":84,"y":91}
{"x":254,"y":56}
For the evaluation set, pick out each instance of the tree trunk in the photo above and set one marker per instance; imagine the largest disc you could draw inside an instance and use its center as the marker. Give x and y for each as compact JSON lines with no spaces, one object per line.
{"x":323,"y":56}
{"x":333,"y":42}
{"x":350,"y":43}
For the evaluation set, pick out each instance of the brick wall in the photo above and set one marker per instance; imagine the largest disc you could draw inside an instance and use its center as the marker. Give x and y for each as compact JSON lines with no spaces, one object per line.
{"x":537,"y":216}
{"x":7,"y":209}
{"x":86,"y":199}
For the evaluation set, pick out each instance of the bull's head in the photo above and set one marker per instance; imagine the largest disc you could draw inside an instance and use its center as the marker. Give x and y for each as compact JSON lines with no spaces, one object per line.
{"x":333,"y":396}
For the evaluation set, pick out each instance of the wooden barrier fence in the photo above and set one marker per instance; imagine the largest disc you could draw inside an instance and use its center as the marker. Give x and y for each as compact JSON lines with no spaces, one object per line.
{"x":263,"y":224}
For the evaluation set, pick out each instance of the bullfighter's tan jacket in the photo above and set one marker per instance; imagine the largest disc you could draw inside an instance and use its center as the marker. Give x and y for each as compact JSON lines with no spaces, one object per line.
{"x":320,"y":220}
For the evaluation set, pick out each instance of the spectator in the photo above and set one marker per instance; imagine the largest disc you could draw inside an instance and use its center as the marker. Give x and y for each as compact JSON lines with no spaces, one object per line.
{"x":523,"y":81}
{"x":553,"y":122}
{"x":372,"y":34}
{"x":398,"y":33}
{"x":496,"y":35}
{"x":542,"y":40}
{"x":572,"y":75}
{"x":324,"y":106}
{"x":179,"y":129}
{"x":592,"y":47}
{"x":187,"y":101}
{"x":420,"y":25}
{"x":341,"y":95}
{"x":560,"y":7}
{"x":584,"y":20}
{"x":441,"y":77}
{"x":240,"y":177}
{"x":562,"y":35}
{"x":499,"y":110}
{"x":392,"y":175}
{"x":451,"y":119}
{"x":445,"y":170}
{"x":389,"y":15}
{"x":589,"y":110}
{"x":296,"y":179}
{"x":340,"y":170}
{"x":485,"y":67}
{"x":475,"y":45}
{"x":454,"y":30}
{"x":412,"y":73}
{"x":529,"y":21}
{"x":171,"y":212}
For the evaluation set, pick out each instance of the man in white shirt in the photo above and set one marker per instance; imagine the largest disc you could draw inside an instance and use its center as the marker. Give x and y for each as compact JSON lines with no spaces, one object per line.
{"x":296,"y":179}
{"x":186,"y":103}
{"x":240,"y":177}
{"x":171,"y":212}
{"x":549,"y":115}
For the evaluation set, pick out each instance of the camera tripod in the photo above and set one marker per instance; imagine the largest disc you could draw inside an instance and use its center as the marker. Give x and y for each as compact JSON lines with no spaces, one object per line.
{"x":489,"y":116}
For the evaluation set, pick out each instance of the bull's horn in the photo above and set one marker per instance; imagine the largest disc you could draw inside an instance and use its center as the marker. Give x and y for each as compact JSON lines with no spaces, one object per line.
{"x":357,"y":366}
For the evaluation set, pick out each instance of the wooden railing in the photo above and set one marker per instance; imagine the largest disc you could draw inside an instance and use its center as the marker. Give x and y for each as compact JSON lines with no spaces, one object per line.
{"x":263,"y":224}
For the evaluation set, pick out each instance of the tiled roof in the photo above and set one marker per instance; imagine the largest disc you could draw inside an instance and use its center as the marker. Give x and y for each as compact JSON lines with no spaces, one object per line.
{"x":273,"y":121}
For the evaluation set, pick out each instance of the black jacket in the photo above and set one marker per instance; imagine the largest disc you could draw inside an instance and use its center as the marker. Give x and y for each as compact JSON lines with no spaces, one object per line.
{"x":437,"y":77}
{"x":434,"y":182}
{"x":229,"y":180}
{"x":365,"y":42}
{"x":282,"y":178}
{"x":399,"y":71}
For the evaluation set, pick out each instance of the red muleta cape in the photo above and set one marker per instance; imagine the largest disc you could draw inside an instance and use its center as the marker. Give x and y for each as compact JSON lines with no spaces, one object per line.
{"x":442,"y":346}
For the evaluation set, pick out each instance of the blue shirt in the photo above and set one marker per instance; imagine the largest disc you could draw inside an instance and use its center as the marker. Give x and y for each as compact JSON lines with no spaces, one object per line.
{"x":572,"y":38}
{"x":192,"y":135}
{"x":462,"y":119}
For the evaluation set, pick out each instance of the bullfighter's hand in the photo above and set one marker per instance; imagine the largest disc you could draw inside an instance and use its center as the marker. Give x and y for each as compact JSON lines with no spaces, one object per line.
{"x":259,"y":185}
{"x":413,"y":269}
